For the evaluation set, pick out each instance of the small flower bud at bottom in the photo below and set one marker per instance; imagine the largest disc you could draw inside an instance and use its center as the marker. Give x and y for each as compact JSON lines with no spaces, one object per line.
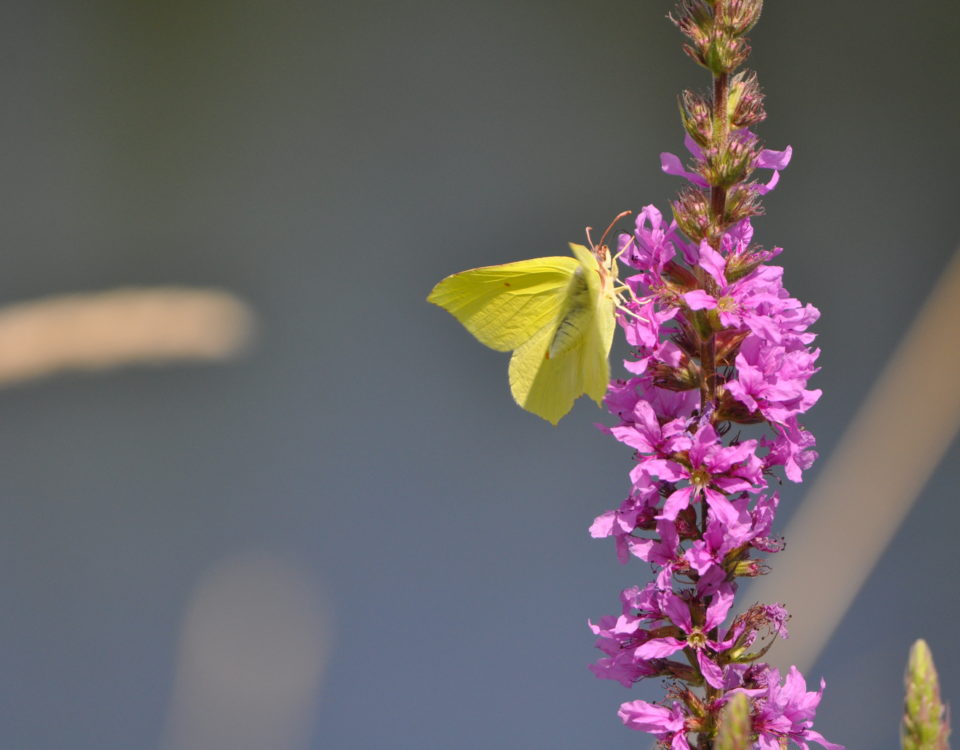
{"x":733,"y":732}
{"x":924,"y":726}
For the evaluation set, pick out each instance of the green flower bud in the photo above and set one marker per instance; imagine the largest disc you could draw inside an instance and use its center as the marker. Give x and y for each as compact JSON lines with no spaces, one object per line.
{"x":745,"y":102}
{"x":924,"y":726}
{"x":691,"y":211}
{"x":737,"y":17}
{"x":697,"y":117}
{"x":733,"y":732}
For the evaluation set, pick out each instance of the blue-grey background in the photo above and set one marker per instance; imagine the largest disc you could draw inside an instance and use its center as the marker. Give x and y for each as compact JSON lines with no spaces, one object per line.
{"x":329,"y":162}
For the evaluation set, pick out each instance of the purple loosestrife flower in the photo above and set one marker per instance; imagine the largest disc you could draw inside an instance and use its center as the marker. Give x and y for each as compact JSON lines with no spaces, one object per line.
{"x":771,"y":380}
{"x":720,"y":539}
{"x":651,"y":247}
{"x":645,"y":433}
{"x":792,"y":449}
{"x":709,"y":469}
{"x":668,"y":725}
{"x":787,"y":711}
{"x":719,"y":345}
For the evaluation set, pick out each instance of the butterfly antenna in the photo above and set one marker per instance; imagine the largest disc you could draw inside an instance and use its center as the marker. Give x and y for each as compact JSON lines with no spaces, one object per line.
{"x":600,"y":250}
{"x":615,"y":220}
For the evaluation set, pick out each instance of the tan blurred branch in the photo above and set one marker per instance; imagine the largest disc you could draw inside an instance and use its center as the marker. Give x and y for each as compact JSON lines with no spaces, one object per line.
{"x":120,"y":327}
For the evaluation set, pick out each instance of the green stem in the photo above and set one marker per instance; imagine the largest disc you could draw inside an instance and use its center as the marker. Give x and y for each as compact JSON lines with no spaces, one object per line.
{"x":718,"y":199}
{"x":718,"y":195}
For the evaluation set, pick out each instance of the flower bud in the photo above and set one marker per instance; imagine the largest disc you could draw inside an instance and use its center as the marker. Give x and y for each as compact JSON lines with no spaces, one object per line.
{"x":724,"y":54}
{"x":924,"y":726}
{"x":697,"y":707}
{"x":675,"y":274}
{"x":728,"y":344}
{"x":737,"y":17}
{"x":715,"y":29}
{"x":742,"y":264}
{"x":731,"y":164}
{"x":733,"y":732}
{"x":748,"y":569}
{"x":685,"y":378}
{"x":694,"y":18}
{"x":687,"y":526}
{"x":691,"y":211}
{"x":742,"y":201}
{"x":731,"y":410}
{"x":697,"y":117}
{"x":745,"y":104}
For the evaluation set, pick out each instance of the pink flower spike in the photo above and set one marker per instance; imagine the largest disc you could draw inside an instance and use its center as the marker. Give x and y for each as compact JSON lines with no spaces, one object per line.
{"x":714,"y":384}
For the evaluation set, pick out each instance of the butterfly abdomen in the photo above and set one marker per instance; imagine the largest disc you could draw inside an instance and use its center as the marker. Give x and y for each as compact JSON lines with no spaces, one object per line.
{"x":575,"y":320}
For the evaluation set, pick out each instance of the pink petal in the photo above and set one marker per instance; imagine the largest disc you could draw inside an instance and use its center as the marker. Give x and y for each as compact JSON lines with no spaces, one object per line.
{"x":770,"y":159}
{"x":699,"y":300}
{"x":602,"y":525}
{"x":678,"y":611}
{"x":648,"y":717}
{"x":711,"y":672}
{"x":658,"y":648}
{"x":671,"y":164}
{"x":713,"y":263}
{"x":676,"y":502}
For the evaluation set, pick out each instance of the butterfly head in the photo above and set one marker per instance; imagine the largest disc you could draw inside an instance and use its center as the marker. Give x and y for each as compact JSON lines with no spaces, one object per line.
{"x":606,"y":262}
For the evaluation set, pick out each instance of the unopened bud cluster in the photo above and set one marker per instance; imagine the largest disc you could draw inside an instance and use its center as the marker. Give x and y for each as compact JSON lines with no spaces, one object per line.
{"x":725,"y":153}
{"x":716,"y":30}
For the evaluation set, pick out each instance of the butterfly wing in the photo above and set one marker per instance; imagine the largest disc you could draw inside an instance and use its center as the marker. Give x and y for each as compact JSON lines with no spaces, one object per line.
{"x":544,"y":385}
{"x":594,"y":363}
{"x":504,"y":306}
{"x":570,"y":358}
{"x":556,"y":314}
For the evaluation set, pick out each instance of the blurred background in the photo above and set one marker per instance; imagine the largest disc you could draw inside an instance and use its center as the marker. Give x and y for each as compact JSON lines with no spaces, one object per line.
{"x":346,"y":535}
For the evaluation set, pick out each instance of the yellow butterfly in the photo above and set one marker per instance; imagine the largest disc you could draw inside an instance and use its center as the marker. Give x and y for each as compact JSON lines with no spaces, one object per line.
{"x":557,"y":314}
